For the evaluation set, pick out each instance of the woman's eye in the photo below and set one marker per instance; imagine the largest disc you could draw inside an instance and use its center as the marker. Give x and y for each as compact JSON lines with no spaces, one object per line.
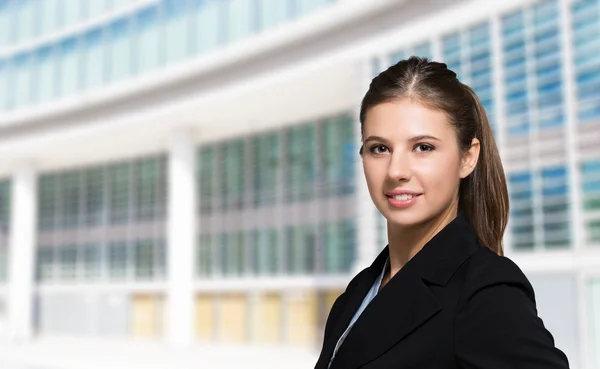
{"x":424,"y":148}
{"x":378,"y":149}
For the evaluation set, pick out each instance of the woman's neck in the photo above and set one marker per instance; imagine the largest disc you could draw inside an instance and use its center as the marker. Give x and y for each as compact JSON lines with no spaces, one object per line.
{"x":405,"y":243}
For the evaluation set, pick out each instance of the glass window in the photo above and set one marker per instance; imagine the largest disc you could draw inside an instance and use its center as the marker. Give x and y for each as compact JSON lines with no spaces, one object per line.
{"x":339,"y":247}
{"x":68,"y":262}
{"x":265,"y":254}
{"x":207,"y":172}
{"x":301,"y":170}
{"x":69,"y":67}
{"x":45,"y":263}
{"x":3,"y":264}
{"x":177,"y":30}
{"x":22,"y":81}
{"x":148,"y":36}
{"x":26,"y":20}
{"x":232,"y":174}
{"x":307,"y":6}
{"x":97,"y":7}
{"x":70,"y":199}
{"x":146,"y":189}
{"x":120,"y":193}
{"x":4,"y":75}
{"x":118,"y":261}
{"x":240,"y":19}
{"x":94,"y":54}
{"x":120,"y":49}
{"x":160,"y":266}
{"x":46,"y":79}
{"x":266,"y":153}
{"x":92,"y":261}
{"x":273,"y":13}
{"x":339,"y":153}
{"x":72,"y":11}
{"x":6,"y":17}
{"x":5,"y":205}
{"x":232,"y":254}
{"x":208,"y":21}
{"x":145,"y":259}
{"x":555,"y":206}
{"x":521,"y":217}
{"x":300,"y":249}
{"x":50,"y":16}
{"x":205,"y":256}
{"x":94,"y":197}
{"x":47,"y":201}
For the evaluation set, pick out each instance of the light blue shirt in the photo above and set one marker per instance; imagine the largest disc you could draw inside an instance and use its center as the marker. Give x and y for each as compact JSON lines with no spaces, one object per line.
{"x":368,"y":298}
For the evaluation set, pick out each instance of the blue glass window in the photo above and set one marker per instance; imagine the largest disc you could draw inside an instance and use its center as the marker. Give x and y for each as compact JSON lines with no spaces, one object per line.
{"x":22,"y":82}
{"x":94,"y":54}
{"x":241,"y":19}
{"x":209,"y":22}
{"x":273,"y":13}
{"x":147,"y":42}
{"x":50,"y":15}
{"x":120,"y":49}
{"x":4,"y":73}
{"x":177,"y":30}
{"x":46,"y":71}
{"x":69,"y":67}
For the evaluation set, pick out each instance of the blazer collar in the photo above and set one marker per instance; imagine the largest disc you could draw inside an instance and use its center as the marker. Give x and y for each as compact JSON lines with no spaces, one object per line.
{"x":406,"y":301}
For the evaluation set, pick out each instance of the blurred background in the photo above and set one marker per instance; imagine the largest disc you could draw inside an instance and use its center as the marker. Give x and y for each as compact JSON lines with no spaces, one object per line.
{"x":180,"y":184}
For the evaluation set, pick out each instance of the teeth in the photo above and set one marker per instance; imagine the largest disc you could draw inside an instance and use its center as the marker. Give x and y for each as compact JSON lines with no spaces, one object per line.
{"x":403,"y":197}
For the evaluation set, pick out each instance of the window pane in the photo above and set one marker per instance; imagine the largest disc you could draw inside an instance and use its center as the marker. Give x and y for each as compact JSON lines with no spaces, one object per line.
{"x":23,"y":81}
{"x":273,"y":13}
{"x":120,"y":193}
{"x":94,"y":55}
{"x":5,"y":206}
{"x":205,"y":256}
{"x":47,"y":202}
{"x":240,"y":19}
{"x":148,"y":37}
{"x":208,"y":25}
{"x":92,"y":261}
{"x":94,"y":197}
{"x":68,"y":262}
{"x":177,"y":30}
{"x":301,"y":168}
{"x":4,"y":75}
{"x":146,"y":189}
{"x":72,"y":11}
{"x":266,"y":153}
{"x":71,"y":199}
{"x":145,"y":259}
{"x":118,"y":260}
{"x":120,"y":49}
{"x":6,"y":17}
{"x":339,"y":153}
{"x":50,"y":11}
{"x":232,"y":174}
{"x":45,"y":263}
{"x":46,"y":71}
{"x":26,"y":20}
{"x":69,"y":67}
{"x":207,"y":174}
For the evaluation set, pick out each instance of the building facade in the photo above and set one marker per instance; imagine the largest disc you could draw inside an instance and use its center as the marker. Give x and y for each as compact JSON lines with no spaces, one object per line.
{"x":189,"y":170}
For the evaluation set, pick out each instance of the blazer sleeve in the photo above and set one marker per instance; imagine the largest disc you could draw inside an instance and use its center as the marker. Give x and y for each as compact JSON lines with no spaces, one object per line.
{"x":497,"y":326}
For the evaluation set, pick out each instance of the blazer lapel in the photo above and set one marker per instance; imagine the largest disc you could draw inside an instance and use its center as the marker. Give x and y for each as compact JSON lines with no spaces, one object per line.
{"x":401,"y":307}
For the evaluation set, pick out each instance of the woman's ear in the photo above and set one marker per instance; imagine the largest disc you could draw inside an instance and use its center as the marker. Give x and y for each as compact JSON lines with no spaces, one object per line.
{"x":469,"y":159}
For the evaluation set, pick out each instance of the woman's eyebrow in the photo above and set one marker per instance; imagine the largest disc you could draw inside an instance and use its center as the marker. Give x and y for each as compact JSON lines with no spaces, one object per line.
{"x":412,"y":139}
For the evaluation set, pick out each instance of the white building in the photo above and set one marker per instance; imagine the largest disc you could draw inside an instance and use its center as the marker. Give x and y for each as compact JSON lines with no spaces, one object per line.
{"x":189,"y":170}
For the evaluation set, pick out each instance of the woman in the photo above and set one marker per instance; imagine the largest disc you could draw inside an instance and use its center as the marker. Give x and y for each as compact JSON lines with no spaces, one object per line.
{"x":440,"y":295}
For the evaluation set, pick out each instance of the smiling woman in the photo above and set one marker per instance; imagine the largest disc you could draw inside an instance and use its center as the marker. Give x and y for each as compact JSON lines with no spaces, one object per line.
{"x":441,"y":294}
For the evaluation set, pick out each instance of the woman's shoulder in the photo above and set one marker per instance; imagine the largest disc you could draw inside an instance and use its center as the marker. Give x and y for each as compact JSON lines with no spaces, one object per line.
{"x":485,"y":270}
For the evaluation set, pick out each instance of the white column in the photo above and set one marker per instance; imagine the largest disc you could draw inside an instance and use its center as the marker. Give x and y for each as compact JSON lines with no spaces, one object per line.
{"x":181,"y":239}
{"x":22,"y":254}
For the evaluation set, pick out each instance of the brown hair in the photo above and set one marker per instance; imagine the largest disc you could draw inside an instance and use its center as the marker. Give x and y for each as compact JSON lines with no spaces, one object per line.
{"x":483,"y":195}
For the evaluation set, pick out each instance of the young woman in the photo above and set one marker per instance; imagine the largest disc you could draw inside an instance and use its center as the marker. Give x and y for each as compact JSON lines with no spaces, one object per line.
{"x":441,"y":294}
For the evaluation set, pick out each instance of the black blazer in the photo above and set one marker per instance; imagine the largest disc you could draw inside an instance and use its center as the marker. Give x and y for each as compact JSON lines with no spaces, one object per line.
{"x":456,"y":304}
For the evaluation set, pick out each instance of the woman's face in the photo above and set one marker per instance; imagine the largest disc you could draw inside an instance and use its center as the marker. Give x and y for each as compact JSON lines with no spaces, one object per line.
{"x":412,"y":162}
